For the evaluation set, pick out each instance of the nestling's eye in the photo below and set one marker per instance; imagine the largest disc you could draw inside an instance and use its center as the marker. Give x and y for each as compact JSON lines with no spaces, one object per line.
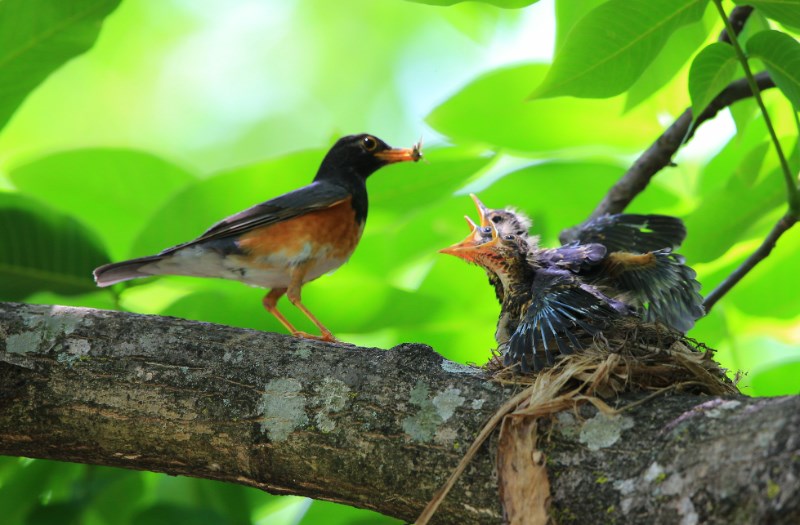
{"x":509,"y":237}
{"x":486,"y":229}
{"x":369,"y":143}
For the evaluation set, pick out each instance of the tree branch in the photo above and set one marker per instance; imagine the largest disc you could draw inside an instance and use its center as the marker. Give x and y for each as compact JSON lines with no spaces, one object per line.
{"x":659,"y":154}
{"x":371,"y":428}
{"x":783,"y":225}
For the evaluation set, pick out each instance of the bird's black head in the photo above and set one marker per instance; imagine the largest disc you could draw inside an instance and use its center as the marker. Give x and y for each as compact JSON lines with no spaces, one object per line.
{"x":362,"y":155}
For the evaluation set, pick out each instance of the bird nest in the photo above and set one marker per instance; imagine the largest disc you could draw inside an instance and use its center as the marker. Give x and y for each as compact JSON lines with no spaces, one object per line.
{"x":634,"y":356}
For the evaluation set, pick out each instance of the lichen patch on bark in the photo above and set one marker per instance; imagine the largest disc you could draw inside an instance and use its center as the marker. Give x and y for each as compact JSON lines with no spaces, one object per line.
{"x":24,"y":343}
{"x":602,"y":431}
{"x":334,"y":395}
{"x":283,"y":407}
{"x":447,"y":402}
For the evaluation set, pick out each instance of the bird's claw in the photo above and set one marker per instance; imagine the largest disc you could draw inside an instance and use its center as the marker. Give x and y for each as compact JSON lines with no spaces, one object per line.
{"x":327,"y":337}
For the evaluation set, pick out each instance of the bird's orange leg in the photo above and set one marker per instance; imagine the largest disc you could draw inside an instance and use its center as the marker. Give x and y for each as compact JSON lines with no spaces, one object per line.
{"x":294,"y":297}
{"x":270,"y":302}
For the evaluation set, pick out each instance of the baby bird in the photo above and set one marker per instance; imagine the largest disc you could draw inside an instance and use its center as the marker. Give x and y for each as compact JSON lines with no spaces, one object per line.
{"x":545,"y":310}
{"x":620,"y":265}
{"x":628,"y":256}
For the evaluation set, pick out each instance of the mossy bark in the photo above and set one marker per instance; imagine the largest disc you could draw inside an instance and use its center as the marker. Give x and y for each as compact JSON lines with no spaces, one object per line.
{"x":378,"y":429}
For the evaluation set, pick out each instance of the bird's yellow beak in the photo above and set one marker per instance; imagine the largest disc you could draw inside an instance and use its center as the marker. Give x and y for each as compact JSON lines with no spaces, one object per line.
{"x":412,"y":154}
{"x":482,"y":210}
{"x":473,"y":244}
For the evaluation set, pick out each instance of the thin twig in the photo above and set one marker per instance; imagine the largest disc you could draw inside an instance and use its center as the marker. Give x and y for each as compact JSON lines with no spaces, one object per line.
{"x":792,"y":193}
{"x":785,"y":222}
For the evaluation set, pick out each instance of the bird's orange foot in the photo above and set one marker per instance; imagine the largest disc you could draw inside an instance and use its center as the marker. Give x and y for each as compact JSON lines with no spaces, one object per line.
{"x":326,"y":336}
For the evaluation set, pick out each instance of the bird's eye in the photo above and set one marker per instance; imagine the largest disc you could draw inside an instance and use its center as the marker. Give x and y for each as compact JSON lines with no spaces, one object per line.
{"x":509,"y":237}
{"x":369,"y":143}
{"x":486,"y":229}
{"x":496,"y":219}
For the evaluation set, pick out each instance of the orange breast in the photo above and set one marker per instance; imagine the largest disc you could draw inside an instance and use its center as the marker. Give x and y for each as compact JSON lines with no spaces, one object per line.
{"x":332,"y":231}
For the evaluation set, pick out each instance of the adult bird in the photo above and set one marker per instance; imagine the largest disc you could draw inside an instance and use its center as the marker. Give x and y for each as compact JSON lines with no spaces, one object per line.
{"x":285,"y":242}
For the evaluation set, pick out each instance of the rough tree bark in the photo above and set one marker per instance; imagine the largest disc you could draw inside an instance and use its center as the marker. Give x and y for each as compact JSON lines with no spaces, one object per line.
{"x":371,"y":428}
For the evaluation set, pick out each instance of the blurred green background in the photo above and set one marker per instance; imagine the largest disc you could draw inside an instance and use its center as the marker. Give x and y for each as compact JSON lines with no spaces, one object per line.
{"x":185,"y":111}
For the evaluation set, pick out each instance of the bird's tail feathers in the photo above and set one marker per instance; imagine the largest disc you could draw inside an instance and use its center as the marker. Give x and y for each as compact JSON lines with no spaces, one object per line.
{"x":114,"y":273}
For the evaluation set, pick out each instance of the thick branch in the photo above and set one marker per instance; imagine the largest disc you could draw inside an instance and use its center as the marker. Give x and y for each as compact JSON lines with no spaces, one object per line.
{"x":371,"y":428}
{"x":781,"y":227}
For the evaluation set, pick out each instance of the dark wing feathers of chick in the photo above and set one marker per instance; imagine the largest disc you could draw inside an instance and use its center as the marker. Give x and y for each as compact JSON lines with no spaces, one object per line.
{"x":573,"y":256}
{"x":662,"y":284}
{"x":631,"y":232}
{"x":559,"y":305}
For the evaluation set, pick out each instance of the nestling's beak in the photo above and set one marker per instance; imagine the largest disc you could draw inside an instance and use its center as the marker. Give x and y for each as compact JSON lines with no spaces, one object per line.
{"x":412,"y":154}
{"x":472,"y":246}
{"x":481,"y":209}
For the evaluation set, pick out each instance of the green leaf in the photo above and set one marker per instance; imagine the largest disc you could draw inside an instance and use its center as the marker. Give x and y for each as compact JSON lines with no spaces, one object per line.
{"x":492,"y":111}
{"x":781,"y":55}
{"x":568,"y":13}
{"x":507,"y":4}
{"x":37,"y":37}
{"x":712,"y":69}
{"x":44,"y":250}
{"x":666,"y":68}
{"x":608,"y":49}
{"x":786,"y":12}
{"x":119,"y":189}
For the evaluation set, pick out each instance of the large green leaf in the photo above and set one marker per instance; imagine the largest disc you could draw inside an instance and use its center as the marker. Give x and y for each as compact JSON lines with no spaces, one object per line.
{"x":492,"y":111}
{"x":119,"y":189}
{"x":610,"y":47}
{"x":666,"y":68}
{"x":568,"y":13}
{"x":781,"y":55}
{"x":784,"y":11}
{"x":43,"y":250}
{"x":37,"y":37}
{"x":712,"y":69}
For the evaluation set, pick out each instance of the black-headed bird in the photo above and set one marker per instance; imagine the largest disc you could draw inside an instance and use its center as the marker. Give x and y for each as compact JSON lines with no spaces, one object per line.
{"x":285,"y":242}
